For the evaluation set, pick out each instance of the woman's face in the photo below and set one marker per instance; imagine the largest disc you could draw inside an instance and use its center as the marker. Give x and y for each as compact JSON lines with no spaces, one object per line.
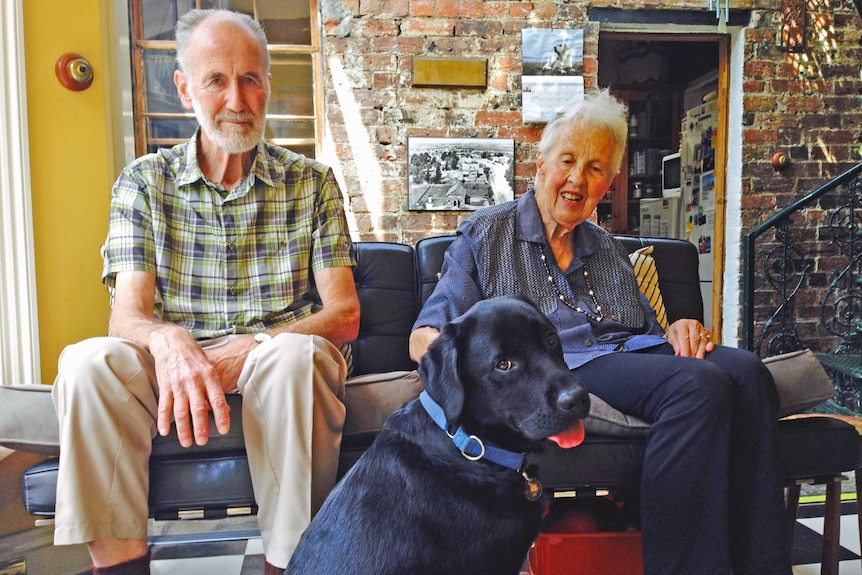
{"x":574,"y":176}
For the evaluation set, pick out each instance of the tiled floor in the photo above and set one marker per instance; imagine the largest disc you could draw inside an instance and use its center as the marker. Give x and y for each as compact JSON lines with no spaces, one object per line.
{"x":244,"y":557}
{"x":807,"y":540}
{"x":234,"y":548}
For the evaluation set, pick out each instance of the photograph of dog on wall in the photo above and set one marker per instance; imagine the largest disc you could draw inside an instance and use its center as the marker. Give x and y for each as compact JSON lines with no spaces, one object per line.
{"x":421,"y":501}
{"x":459,"y":173}
{"x":552,"y":52}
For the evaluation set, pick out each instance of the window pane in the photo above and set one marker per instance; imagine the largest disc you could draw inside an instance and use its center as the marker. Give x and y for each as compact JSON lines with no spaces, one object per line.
{"x":292,"y":85}
{"x":164,"y":131}
{"x":162,"y":97}
{"x":306,"y":150}
{"x":289,"y":129}
{"x":244,"y":6}
{"x":285,"y":22}
{"x":160,"y":17}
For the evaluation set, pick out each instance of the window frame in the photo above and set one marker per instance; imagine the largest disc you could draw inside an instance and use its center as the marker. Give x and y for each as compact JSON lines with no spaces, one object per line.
{"x":141,"y":116}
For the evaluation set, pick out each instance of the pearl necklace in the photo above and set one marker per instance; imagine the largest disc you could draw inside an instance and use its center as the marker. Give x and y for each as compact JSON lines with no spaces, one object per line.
{"x":598,"y":316}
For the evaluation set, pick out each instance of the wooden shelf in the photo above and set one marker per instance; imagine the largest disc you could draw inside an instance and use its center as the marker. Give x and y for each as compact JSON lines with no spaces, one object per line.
{"x":658,"y":110}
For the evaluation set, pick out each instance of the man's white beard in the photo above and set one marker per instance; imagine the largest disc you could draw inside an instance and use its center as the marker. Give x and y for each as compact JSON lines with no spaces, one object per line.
{"x":232,"y":139}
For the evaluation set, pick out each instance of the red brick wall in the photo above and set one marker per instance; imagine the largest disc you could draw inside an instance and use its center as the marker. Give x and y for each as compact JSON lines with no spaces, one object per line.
{"x":807,"y":104}
{"x":810,"y":106}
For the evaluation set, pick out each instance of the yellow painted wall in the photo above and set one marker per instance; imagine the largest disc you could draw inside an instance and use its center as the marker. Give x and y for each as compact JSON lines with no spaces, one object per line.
{"x":71,"y":173}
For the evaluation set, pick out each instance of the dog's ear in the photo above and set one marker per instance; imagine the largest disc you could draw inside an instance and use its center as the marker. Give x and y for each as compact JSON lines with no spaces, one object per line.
{"x":440,"y":374}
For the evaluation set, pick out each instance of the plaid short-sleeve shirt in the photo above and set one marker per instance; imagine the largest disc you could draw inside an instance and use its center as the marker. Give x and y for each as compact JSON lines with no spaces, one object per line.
{"x":227,"y":261}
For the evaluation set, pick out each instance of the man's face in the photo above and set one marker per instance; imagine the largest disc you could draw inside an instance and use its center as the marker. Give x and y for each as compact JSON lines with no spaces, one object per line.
{"x":226,"y":85}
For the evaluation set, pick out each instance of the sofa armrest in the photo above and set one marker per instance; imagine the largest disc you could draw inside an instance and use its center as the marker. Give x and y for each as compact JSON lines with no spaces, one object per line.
{"x":32,"y":426}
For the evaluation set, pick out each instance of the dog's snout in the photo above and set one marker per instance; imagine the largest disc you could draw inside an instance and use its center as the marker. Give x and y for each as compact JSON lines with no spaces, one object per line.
{"x":574,"y":399}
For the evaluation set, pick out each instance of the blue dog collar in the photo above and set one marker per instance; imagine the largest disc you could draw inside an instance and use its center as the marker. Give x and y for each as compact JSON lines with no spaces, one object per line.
{"x":475,"y":449}
{"x":471,"y":446}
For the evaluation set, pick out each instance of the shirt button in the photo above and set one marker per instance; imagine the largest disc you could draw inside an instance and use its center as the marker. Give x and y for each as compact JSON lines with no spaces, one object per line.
{"x":232,"y":291}
{"x":589,"y":343}
{"x":231,"y":246}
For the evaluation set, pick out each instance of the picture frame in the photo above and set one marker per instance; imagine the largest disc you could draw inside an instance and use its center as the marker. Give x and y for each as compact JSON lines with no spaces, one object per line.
{"x":459,"y":174}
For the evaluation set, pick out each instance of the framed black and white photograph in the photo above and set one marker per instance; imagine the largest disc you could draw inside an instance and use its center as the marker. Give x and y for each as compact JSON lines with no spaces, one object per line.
{"x":459,"y":173}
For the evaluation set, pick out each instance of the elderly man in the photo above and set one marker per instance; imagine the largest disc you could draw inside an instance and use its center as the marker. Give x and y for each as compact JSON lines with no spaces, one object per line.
{"x":231,"y":268}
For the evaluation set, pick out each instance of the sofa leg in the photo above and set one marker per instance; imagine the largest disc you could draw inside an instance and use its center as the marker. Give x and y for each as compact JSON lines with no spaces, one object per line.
{"x":832,"y":527}
{"x":792,"y":510}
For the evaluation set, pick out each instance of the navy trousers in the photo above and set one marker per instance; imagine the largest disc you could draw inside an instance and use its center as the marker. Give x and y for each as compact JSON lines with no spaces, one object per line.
{"x":711,"y":494}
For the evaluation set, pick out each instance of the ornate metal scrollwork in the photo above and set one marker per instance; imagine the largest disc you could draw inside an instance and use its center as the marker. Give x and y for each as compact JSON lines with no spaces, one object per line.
{"x":793,"y":17}
{"x":785,"y":270}
{"x":841,"y":307}
{"x":798,"y":267}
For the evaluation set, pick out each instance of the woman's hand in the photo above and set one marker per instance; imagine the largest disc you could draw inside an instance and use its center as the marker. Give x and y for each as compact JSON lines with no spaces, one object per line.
{"x":690,"y":338}
{"x":420,"y":339}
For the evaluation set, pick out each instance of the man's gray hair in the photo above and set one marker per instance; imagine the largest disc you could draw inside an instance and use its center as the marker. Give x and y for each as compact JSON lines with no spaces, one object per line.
{"x":597,"y":109}
{"x":189,"y":21}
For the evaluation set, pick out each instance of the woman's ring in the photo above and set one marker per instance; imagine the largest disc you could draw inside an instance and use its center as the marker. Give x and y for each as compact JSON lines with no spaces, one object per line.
{"x":705,"y":335}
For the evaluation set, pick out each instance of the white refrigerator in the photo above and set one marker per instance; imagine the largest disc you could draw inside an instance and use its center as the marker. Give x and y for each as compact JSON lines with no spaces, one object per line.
{"x":697,"y":153}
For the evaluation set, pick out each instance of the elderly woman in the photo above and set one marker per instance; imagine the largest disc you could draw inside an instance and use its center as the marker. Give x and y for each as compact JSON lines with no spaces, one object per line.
{"x":711,"y":498}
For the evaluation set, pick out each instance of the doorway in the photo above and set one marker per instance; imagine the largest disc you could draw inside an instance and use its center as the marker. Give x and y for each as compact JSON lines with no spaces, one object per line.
{"x":677,"y":104}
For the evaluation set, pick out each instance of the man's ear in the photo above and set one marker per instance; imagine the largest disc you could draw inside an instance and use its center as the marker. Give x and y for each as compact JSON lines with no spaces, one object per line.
{"x":540,"y":161}
{"x":181,"y":81}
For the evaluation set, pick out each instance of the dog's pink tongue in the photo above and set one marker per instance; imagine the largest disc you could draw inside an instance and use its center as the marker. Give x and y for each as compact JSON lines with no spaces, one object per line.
{"x":571,"y":437}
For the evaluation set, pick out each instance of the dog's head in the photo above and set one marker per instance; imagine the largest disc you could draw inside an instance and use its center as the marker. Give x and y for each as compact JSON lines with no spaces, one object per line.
{"x":561,"y":48}
{"x":498,"y":371}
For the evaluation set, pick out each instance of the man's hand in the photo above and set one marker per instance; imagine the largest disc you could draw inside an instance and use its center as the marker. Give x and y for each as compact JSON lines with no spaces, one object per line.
{"x":189,"y":383}
{"x":690,"y":338}
{"x":189,"y":387}
{"x":229,"y":359}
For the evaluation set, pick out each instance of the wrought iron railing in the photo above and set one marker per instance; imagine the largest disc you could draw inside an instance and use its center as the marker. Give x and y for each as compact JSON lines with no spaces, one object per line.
{"x":802,"y":280}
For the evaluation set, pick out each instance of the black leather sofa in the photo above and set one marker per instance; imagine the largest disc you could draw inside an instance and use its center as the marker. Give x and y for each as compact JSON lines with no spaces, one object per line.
{"x":392,"y":281}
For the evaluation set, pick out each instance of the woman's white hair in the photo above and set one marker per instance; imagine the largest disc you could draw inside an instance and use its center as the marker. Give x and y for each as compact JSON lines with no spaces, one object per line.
{"x":597,"y":109}
{"x":189,"y":21}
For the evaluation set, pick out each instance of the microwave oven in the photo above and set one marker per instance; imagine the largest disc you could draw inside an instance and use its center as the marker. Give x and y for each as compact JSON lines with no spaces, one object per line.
{"x":671,"y":176}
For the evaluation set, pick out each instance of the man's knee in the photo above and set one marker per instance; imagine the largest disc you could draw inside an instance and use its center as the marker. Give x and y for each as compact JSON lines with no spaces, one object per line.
{"x":297,"y":351}
{"x":81,"y":360}
{"x":105,"y":370}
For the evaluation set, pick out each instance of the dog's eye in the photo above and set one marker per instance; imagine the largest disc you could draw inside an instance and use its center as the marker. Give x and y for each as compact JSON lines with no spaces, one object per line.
{"x":504,"y":365}
{"x":552,"y":338}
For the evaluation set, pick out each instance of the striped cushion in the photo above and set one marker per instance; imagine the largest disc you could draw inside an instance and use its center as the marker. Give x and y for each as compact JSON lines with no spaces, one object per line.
{"x":647,"y":277}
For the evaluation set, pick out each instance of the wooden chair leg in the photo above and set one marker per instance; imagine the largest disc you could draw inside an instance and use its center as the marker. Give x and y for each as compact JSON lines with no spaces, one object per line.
{"x":831,"y":527}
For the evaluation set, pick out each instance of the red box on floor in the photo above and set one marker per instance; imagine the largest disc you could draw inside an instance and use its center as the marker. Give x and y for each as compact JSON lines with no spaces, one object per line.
{"x":602,"y":553}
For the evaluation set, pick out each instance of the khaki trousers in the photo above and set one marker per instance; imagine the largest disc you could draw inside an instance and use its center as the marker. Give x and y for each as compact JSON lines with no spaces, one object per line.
{"x":106,"y":399}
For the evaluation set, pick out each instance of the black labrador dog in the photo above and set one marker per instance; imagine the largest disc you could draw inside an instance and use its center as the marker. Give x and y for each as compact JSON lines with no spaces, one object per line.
{"x":443,"y":489}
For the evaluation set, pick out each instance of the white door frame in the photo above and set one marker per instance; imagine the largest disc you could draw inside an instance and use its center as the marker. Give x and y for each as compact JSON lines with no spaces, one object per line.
{"x":19,"y":325}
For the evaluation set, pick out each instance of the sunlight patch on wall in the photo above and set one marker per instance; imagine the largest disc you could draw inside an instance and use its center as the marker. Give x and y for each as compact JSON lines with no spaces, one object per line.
{"x":827,"y":155}
{"x":820,"y":47}
{"x":329,"y":156}
{"x":367,"y":165}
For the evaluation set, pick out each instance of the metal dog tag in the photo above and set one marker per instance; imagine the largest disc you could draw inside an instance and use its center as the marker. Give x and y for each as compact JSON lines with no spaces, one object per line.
{"x":532,"y":487}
